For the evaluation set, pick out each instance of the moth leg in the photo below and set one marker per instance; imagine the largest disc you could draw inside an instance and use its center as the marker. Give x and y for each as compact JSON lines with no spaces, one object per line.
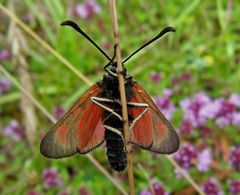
{"x":98,"y":101}
{"x":138,"y":105}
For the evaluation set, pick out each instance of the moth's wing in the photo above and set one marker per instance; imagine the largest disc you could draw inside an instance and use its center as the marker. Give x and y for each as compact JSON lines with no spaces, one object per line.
{"x":79,"y":130}
{"x":153,"y":131}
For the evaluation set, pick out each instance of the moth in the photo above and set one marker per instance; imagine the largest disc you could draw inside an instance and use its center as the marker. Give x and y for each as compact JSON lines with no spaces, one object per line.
{"x":97,"y":117}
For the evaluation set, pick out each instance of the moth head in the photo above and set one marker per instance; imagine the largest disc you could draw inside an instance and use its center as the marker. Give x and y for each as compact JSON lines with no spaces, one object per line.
{"x":114,"y":69}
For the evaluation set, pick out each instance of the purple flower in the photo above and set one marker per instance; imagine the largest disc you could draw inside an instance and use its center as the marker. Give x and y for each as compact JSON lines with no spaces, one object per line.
{"x":5,"y":55}
{"x":234,"y":186}
{"x":210,"y":109}
{"x":226,"y":108}
{"x":236,"y":118}
{"x":32,"y":192}
{"x":5,"y":85}
{"x":186,"y":127}
{"x":101,"y":25}
{"x":157,"y":187}
{"x":107,"y":44}
{"x":235,"y":99}
{"x":13,"y":130}
{"x":58,"y":112}
{"x":179,"y":173}
{"x":206,"y":131}
{"x":165,"y":105}
{"x":223,"y":121}
{"x":167,"y":92}
{"x":87,"y":9}
{"x":186,"y":76}
{"x":212,"y":187}
{"x":204,"y":159}
{"x":50,"y":177}
{"x":192,"y":108}
{"x":83,"y":191}
{"x":224,"y":115}
{"x":175,"y":80}
{"x":145,"y":192}
{"x":186,"y":155}
{"x":234,"y":157}
{"x":155,"y":77}
{"x":201,"y":108}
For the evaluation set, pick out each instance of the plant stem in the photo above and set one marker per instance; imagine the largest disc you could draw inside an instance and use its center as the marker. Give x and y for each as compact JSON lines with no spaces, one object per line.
{"x":112,"y":4}
{"x":19,"y":50}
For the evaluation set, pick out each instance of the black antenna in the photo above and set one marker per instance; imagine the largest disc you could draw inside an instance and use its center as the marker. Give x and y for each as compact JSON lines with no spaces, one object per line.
{"x":78,"y":29}
{"x":163,"y":32}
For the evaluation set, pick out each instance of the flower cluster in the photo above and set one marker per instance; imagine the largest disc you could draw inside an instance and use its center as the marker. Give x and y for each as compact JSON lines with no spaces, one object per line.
{"x":211,"y":187}
{"x":204,"y":160}
{"x":5,"y":85}
{"x":157,"y":187}
{"x":50,"y":177}
{"x":201,"y":108}
{"x":234,"y":157}
{"x":206,"y":131}
{"x":186,"y":156}
{"x":5,"y":55}
{"x":194,"y":110}
{"x":184,"y":76}
{"x":86,"y":9}
{"x":58,"y":112}
{"x":155,"y":77}
{"x":227,"y":113}
{"x":83,"y":191}
{"x":189,"y":156}
{"x":32,"y":192}
{"x":13,"y":130}
{"x":186,"y":127}
{"x":234,"y":186}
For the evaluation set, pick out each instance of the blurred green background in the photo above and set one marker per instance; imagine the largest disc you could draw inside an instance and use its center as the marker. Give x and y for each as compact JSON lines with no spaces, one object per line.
{"x":192,"y":74}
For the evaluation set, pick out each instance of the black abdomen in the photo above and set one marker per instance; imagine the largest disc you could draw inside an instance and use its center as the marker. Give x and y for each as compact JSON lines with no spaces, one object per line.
{"x":115,"y":145}
{"x":115,"y":151}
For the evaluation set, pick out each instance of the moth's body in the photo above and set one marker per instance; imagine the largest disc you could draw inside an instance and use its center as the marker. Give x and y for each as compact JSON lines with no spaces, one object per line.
{"x":97,"y":117}
{"x":114,"y":141}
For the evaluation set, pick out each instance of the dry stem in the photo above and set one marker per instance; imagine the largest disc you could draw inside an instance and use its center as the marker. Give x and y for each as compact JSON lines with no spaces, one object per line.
{"x":27,"y":107}
{"x":122,"y":90}
{"x":148,"y":179}
{"x":186,"y":175}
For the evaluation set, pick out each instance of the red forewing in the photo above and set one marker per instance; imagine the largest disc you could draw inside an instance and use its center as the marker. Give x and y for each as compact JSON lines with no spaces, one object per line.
{"x":153,"y":131}
{"x":79,"y":130}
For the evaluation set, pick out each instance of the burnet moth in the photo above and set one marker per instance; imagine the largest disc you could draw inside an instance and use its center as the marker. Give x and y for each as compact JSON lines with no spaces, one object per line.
{"x":97,"y":117}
